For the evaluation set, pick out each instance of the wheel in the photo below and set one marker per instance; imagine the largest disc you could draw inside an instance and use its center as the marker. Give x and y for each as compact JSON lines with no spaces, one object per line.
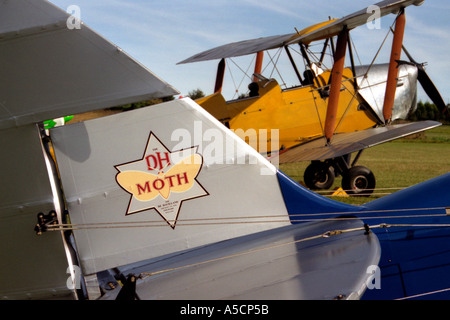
{"x":319,"y":176}
{"x":358,"y":180}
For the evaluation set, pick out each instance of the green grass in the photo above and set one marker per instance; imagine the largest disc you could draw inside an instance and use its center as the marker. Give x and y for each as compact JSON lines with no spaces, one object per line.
{"x":397,"y":164}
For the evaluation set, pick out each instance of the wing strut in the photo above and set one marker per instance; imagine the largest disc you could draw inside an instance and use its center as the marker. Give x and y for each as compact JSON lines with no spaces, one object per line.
{"x":396,"y":52}
{"x":309,"y":63}
{"x":294,"y":66}
{"x":336,"y":83}
{"x":258,"y":64}
{"x":220,"y":75}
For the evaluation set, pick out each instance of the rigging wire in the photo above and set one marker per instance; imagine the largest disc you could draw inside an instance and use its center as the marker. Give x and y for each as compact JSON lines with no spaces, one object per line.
{"x":346,"y":109}
{"x":292,"y":218}
{"x":316,"y":59}
{"x":318,"y":113}
{"x":381,"y":46}
{"x":365,"y":76}
{"x":424,"y":294}
{"x":324,"y":235}
{"x":275,"y":68}
{"x":245,"y":74}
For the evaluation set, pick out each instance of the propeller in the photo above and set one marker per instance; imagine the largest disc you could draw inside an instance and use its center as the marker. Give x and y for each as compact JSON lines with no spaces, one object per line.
{"x":428,"y":85}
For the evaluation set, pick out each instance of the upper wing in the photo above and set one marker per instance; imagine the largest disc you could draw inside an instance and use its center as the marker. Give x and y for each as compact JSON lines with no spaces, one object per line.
{"x":48,"y":70}
{"x":241,"y":48}
{"x":316,"y":32}
{"x":357,"y":19}
{"x":345,"y":143}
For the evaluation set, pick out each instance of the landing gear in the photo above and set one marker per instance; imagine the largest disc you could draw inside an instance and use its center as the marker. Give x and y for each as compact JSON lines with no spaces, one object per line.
{"x":356,"y":180}
{"x":319,"y":176}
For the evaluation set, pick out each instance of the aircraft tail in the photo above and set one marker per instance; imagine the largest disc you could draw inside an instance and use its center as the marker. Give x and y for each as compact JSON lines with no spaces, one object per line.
{"x":159,"y":180}
{"x":174,"y":178}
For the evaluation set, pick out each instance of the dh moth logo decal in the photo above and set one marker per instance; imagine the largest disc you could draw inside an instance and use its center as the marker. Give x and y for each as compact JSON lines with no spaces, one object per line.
{"x":161,"y":180}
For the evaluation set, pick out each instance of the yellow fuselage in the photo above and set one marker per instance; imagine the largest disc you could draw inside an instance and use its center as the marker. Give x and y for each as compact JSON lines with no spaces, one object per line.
{"x":298,"y":113}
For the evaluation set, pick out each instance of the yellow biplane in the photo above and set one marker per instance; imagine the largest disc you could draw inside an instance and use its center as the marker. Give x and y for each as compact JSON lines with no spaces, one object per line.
{"x":333,"y":112}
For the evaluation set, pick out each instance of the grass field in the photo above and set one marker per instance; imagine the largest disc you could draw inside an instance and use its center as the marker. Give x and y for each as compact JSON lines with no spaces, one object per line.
{"x":397,"y":164}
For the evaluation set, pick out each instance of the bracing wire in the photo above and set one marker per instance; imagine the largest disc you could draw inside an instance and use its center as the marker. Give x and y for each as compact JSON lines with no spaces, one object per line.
{"x":275,"y":68}
{"x":424,"y":294}
{"x":245,"y":74}
{"x":373,"y":61}
{"x":292,"y":218}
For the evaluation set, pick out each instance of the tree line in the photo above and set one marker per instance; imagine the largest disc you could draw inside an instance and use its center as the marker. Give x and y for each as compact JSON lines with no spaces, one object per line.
{"x":429,"y":111}
{"x":194,"y":94}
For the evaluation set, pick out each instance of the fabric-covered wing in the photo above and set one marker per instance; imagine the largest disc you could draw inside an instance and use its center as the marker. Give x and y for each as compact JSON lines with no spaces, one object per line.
{"x":241,"y":48}
{"x":283,"y":263}
{"x":48,"y":70}
{"x":261,"y":44}
{"x":345,"y":143}
{"x":357,"y":19}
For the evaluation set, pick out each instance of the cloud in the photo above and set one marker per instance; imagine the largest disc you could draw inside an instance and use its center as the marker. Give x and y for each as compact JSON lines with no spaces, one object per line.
{"x":277,"y":7}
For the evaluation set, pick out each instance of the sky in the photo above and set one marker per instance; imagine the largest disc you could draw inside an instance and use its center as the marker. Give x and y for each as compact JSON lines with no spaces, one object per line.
{"x":161,"y":33}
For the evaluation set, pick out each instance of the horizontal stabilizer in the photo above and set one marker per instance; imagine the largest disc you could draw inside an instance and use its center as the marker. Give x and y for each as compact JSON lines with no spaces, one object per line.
{"x":346,"y":143}
{"x":292,"y":262}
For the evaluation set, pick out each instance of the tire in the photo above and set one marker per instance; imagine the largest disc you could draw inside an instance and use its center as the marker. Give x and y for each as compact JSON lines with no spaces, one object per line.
{"x":319,"y":176}
{"x":358,"y":180}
